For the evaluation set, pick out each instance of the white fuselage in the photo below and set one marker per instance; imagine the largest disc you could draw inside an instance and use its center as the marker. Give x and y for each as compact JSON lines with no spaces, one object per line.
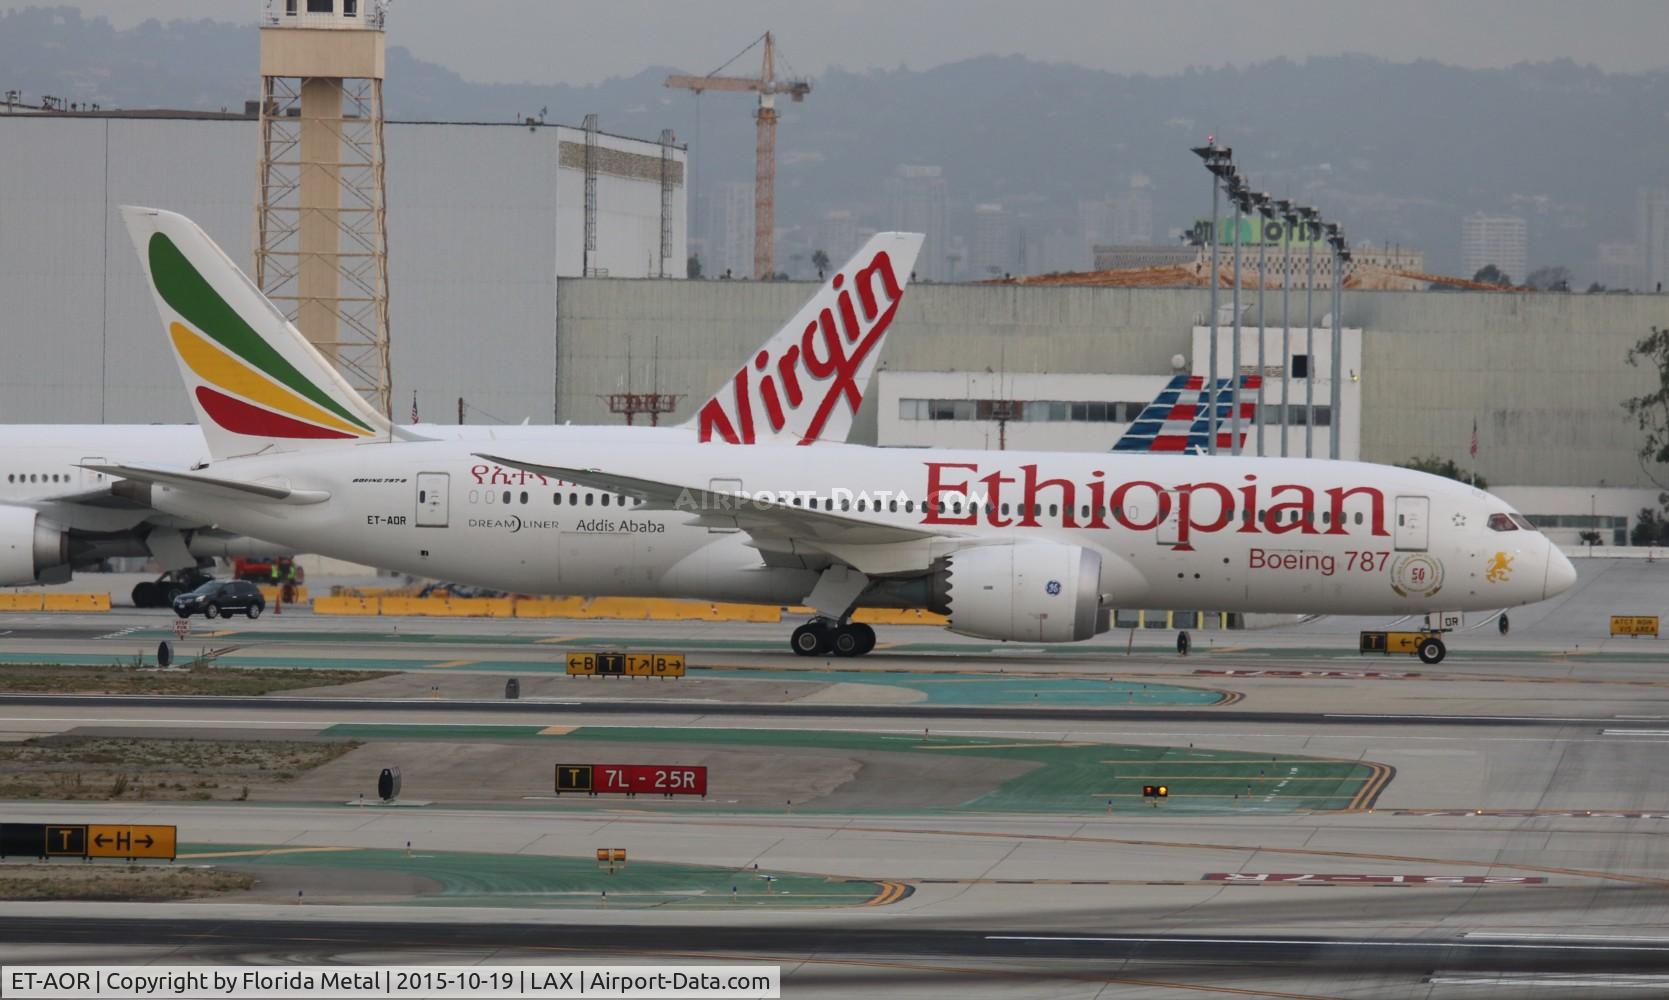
{"x":1185,"y":532}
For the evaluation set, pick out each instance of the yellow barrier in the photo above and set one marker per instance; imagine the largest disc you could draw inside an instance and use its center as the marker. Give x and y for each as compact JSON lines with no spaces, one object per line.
{"x":611,"y":608}
{"x":898,"y":616}
{"x":75,"y":602}
{"x":479,"y":607}
{"x":20,"y":601}
{"x":550,"y":607}
{"x":347,"y":605}
{"x":1637,"y":625}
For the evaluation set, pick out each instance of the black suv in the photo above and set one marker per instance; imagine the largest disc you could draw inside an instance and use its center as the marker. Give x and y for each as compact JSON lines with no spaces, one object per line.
{"x":221,"y":597}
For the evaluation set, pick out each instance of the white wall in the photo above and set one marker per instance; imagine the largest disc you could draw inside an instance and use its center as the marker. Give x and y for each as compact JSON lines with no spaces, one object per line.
{"x":1349,"y":423}
{"x":1023,"y":435}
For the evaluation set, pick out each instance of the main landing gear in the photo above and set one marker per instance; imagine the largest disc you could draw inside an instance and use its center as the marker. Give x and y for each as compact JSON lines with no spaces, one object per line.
{"x":822,"y":637}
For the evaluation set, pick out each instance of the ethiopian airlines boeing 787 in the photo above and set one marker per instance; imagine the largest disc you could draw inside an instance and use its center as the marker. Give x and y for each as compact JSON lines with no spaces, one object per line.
{"x":1034,"y":547}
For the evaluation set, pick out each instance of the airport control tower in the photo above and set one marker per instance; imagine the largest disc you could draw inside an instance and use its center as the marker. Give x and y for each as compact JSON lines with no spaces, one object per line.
{"x":321,"y":244}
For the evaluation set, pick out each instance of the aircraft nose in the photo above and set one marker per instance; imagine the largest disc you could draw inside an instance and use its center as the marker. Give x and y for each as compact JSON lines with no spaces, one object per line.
{"x":1560,"y":573}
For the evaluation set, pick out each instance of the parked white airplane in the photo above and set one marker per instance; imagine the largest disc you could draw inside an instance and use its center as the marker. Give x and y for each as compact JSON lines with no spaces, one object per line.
{"x":1032,"y":547}
{"x":266,"y":394}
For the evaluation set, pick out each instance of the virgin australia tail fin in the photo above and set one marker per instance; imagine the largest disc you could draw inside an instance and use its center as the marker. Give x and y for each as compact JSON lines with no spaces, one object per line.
{"x":256,"y":384}
{"x":806,"y":383}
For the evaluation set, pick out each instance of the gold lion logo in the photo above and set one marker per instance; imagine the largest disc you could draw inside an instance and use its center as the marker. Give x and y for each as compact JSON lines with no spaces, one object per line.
{"x":1500,"y":568}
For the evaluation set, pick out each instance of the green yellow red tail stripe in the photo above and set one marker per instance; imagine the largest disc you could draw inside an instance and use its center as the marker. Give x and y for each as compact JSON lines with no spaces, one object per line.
{"x":252,"y":388}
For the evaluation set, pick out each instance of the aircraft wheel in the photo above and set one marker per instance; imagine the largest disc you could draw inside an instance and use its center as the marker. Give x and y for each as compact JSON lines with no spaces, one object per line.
{"x":846,"y":641}
{"x":1503,"y":624}
{"x":866,"y":637}
{"x":169,"y":592}
{"x":146,"y":595}
{"x":1432,"y":650}
{"x":811,"y":639}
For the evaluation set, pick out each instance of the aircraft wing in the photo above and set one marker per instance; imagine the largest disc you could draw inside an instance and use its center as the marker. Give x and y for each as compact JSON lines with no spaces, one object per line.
{"x":772,"y":523}
{"x":214,"y":485}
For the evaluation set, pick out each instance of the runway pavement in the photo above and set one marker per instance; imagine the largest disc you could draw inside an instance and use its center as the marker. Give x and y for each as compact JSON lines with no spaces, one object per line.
{"x":1510,"y":839}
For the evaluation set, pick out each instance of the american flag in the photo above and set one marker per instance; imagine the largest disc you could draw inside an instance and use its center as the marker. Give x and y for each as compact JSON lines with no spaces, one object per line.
{"x":1474,"y":437}
{"x":414,"y":420}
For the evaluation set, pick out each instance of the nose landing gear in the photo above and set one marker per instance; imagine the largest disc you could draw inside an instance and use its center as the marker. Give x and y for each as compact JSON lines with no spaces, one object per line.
{"x":1431,"y":650}
{"x":823,"y":637}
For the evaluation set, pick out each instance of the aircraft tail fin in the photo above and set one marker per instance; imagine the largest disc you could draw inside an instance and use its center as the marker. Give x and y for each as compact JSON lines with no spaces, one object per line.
{"x":256,"y":384}
{"x":806,"y":383}
{"x":1179,"y":419}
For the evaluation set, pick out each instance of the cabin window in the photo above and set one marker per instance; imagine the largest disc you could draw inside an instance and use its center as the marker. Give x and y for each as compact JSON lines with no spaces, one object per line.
{"x":490,"y":496}
{"x":956,"y":507}
{"x":909,"y":506}
{"x":1501,"y":522}
{"x":861,"y":504}
{"x":590,"y":499}
{"x":506,"y":496}
{"x":1358,"y":517}
{"x":1054,"y":510}
{"x":524,"y":497}
{"x":892,"y":506}
{"x":556,"y":499}
{"x":846,"y":505}
{"x":1083,"y":512}
{"x":422,"y":495}
{"x":605,"y":500}
{"x":474,"y":496}
{"x":1326,"y":517}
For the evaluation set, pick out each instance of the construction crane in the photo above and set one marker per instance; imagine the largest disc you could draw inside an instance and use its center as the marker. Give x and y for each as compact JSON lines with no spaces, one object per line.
{"x":767,"y":86}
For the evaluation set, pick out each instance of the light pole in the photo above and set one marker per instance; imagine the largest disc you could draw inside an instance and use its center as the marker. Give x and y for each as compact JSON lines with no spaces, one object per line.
{"x":1266,"y":213}
{"x":1242,"y":199}
{"x":1312,"y":232}
{"x":1289,"y":215}
{"x":1335,"y":240}
{"x":1220,"y":162}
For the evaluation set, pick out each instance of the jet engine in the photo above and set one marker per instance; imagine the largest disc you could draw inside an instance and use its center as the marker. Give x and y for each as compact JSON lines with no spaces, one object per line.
{"x":30,"y":549}
{"x":1033,"y":592}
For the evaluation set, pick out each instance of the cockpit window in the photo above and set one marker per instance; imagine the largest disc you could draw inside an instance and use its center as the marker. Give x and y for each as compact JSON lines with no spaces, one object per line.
{"x":1501,"y":522}
{"x":1522,"y":522}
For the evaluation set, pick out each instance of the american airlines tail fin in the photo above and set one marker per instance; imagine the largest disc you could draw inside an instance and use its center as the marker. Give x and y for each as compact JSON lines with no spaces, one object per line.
{"x":1179,"y":420}
{"x":806,"y":383}
{"x":257,"y":385}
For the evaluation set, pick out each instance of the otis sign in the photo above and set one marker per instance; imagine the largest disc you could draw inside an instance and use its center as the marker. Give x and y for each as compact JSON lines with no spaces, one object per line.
{"x":806,"y":375}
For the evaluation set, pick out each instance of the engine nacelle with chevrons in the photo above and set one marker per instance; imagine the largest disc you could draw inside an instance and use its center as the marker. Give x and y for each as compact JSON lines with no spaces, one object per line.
{"x":1032,"y":592}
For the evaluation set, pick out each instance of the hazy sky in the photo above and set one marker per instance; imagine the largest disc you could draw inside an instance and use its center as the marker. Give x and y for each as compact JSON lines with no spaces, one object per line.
{"x":582,"y":41}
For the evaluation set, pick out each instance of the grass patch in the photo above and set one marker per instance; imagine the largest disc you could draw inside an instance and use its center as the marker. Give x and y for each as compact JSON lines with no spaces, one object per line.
{"x":129,"y":678}
{"x":168,"y":770}
{"x":130,"y":883}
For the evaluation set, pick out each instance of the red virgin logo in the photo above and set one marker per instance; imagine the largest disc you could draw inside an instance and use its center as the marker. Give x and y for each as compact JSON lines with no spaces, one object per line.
{"x":820,"y":371}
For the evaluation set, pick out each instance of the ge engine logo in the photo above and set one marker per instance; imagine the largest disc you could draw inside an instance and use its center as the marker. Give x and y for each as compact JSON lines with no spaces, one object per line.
{"x":1053,"y":587}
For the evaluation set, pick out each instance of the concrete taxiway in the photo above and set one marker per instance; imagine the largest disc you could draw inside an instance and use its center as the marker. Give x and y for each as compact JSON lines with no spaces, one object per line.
{"x":944,"y":814}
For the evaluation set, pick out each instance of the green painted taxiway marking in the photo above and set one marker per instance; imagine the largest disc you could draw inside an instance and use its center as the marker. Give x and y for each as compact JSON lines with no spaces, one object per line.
{"x":523,"y":880}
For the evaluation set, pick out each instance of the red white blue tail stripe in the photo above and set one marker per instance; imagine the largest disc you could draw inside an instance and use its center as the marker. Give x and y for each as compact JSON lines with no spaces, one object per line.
{"x":1179,"y":420}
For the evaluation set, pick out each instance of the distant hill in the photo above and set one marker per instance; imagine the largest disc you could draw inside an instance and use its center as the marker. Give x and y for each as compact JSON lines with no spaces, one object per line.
{"x":1398,"y":152}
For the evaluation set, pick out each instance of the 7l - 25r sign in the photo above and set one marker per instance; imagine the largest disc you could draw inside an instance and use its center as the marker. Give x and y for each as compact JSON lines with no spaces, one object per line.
{"x":632,"y":779}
